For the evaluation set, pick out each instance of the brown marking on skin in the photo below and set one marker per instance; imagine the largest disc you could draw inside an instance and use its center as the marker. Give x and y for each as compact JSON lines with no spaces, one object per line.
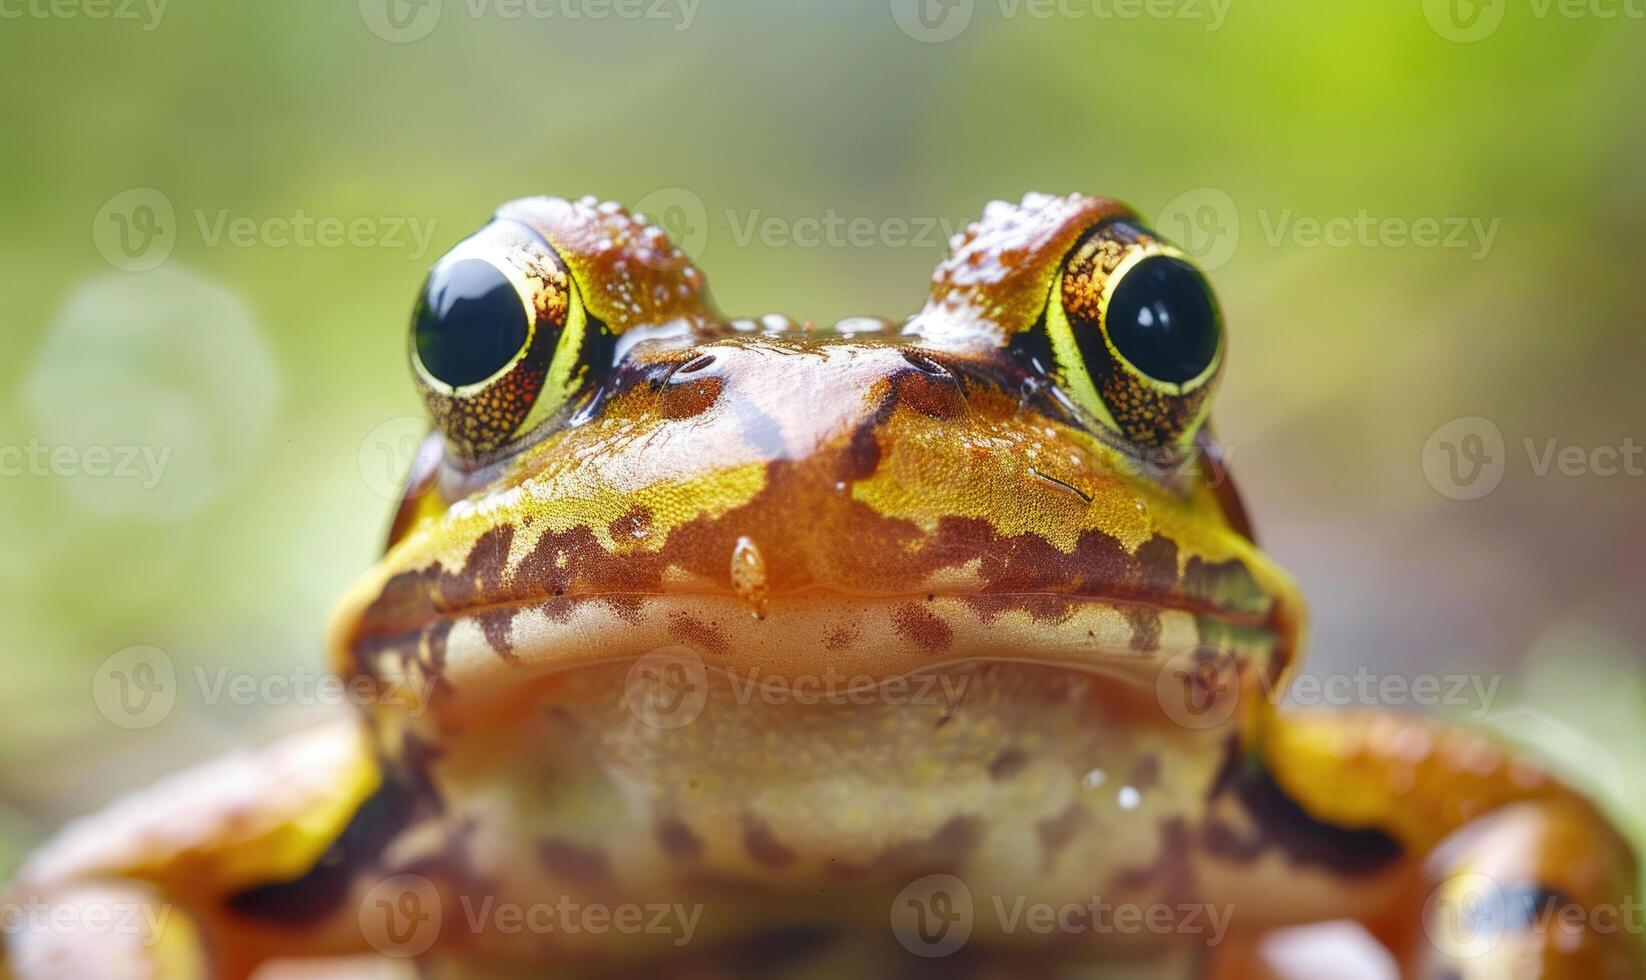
{"x":930,"y":389}
{"x":1058,"y":832}
{"x":690,"y":398}
{"x":632,"y":526}
{"x":773,"y":951}
{"x":694,"y":632}
{"x":1044,"y":608}
{"x":919,"y":626}
{"x":842,"y":636}
{"x":1170,"y":873}
{"x":495,"y":623}
{"x":1145,"y":774}
{"x":943,"y":849}
{"x":862,"y":455}
{"x":1145,"y":624}
{"x":1279,"y":823}
{"x":628,"y":608}
{"x":573,"y":862}
{"x":1007,"y":764}
{"x":763,"y":846}
{"x":677,"y":839}
{"x":844,"y":543}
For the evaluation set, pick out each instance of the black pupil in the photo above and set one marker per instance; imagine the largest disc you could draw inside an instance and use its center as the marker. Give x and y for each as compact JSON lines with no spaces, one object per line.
{"x":1162,"y":319}
{"x":470,"y":324}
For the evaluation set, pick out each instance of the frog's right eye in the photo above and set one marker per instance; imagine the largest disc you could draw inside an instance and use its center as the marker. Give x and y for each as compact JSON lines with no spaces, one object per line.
{"x":1136,"y":334}
{"x":497,"y":339}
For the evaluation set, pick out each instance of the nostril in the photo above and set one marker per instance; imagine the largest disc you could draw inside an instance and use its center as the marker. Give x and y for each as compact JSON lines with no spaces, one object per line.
{"x":930,"y":389}
{"x":924,"y":364}
{"x":698,"y":363}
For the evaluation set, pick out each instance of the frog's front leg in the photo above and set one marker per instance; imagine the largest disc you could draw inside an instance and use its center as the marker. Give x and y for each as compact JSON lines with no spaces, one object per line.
{"x":1521,"y":876}
{"x":160,"y":885}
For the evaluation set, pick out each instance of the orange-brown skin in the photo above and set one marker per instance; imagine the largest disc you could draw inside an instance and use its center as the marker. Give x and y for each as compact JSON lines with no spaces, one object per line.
{"x":759,"y":507}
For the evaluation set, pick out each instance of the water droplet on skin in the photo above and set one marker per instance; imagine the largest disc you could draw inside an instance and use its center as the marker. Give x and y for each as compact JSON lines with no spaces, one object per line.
{"x":749,"y":575}
{"x":1129,"y":798}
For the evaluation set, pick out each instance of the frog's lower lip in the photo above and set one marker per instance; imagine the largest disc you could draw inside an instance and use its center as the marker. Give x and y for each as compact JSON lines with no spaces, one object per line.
{"x":500,"y":648}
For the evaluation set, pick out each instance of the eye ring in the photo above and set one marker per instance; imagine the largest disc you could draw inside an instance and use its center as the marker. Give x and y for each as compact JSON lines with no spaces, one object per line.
{"x":497,"y":339}
{"x":1137,"y":334}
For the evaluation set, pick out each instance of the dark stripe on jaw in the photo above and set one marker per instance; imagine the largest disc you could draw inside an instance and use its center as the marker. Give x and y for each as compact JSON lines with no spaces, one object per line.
{"x":1281,"y":823}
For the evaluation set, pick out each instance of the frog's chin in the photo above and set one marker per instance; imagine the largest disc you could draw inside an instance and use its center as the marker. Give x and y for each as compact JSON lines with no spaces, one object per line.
{"x":824,"y":642}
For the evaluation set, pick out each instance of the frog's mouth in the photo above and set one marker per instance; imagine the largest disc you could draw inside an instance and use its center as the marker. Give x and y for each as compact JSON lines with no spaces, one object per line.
{"x":819,"y":640}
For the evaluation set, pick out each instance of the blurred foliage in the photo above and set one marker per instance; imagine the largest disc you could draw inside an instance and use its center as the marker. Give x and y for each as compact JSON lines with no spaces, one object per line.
{"x":1345,"y":359}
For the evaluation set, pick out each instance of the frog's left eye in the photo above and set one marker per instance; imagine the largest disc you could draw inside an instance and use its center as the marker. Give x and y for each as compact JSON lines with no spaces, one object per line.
{"x":498,"y":338}
{"x":1137,"y":334}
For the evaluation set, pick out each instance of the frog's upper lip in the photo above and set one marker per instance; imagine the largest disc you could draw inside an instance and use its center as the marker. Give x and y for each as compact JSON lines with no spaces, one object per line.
{"x":498,"y":646}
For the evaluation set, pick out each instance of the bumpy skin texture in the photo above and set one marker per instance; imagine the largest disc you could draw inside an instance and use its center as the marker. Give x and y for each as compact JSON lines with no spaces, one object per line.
{"x":1038,"y":660}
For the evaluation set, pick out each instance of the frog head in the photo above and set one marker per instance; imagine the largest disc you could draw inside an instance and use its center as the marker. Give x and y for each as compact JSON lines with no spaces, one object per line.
{"x":1020,"y":472}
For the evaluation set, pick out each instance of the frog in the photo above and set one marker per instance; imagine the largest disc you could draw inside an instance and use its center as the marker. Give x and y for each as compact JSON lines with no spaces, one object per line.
{"x":709,"y":646}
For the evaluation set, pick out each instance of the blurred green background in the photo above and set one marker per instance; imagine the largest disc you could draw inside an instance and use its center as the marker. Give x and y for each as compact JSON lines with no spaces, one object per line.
{"x":1481,"y":162}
